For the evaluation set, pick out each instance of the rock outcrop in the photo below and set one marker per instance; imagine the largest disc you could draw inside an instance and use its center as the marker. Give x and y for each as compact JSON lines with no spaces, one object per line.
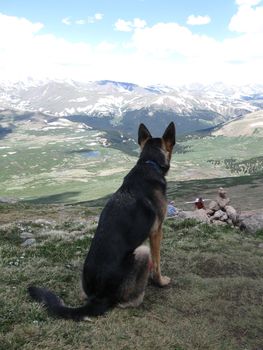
{"x":220,"y":210}
{"x":251,"y":221}
{"x":199,"y":215}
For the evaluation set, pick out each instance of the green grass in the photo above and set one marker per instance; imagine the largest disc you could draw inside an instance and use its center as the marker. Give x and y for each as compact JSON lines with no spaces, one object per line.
{"x":242,"y":190}
{"x":214,"y":301}
{"x":51,"y":166}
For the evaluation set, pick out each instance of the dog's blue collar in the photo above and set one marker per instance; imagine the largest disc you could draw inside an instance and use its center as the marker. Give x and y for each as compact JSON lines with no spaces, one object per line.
{"x":155,"y":165}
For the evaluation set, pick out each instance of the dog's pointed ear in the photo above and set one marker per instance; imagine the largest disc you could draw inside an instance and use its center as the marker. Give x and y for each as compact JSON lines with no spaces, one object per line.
{"x":169,"y":136}
{"x":143,"y":135}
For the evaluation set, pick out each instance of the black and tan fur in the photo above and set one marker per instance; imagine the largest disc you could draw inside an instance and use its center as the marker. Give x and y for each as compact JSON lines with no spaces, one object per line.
{"x":116,"y":268}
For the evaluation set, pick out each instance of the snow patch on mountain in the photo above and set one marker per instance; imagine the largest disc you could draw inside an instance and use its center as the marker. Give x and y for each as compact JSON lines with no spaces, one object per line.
{"x":113,"y":99}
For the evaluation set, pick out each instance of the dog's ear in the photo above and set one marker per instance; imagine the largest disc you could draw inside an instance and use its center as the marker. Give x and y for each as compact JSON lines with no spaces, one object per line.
{"x":143,"y":135}
{"x":169,"y":137}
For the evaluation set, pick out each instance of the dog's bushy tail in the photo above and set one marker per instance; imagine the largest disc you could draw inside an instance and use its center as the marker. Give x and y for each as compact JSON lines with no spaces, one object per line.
{"x":55,"y":306}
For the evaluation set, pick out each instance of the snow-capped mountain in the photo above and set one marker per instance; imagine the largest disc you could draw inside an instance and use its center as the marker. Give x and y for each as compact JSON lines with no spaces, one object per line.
{"x":119,"y":102}
{"x":105,"y":98}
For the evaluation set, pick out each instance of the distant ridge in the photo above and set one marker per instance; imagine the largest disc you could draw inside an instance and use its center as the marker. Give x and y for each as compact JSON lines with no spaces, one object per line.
{"x":107,"y":97}
{"x":108,"y":104}
{"x":250,"y":124}
{"x":124,"y":85}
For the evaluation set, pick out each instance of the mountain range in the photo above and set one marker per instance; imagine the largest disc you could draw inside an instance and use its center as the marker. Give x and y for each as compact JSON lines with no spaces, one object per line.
{"x":109,"y":104}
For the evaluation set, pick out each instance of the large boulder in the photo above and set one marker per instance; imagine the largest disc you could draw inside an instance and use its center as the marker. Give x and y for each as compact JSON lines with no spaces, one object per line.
{"x":199,"y":215}
{"x":251,"y":221}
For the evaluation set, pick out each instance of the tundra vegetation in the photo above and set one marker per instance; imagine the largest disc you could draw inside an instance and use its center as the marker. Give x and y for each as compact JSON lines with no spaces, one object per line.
{"x":214,"y":301}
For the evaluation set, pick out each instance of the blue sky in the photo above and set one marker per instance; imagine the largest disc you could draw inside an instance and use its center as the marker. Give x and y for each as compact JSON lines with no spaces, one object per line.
{"x":50,"y":13}
{"x":143,"y":41}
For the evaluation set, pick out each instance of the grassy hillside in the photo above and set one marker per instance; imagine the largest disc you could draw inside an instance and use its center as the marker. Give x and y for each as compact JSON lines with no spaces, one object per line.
{"x":61,"y":163}
{"x":67,"y":163}
{"x":214,"y":301}
{"x":247,"y":125}
{"x":243,"y":191}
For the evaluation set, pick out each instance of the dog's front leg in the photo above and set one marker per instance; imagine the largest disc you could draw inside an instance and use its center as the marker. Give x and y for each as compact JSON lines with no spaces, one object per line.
{"x":155,"y":242}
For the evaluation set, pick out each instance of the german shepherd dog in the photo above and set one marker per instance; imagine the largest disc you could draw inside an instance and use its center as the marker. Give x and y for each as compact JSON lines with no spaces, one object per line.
{"x":117,"y":266}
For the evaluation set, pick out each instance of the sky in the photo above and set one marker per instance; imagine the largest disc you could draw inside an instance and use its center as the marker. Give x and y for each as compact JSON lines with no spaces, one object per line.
{"x":146,"y":42}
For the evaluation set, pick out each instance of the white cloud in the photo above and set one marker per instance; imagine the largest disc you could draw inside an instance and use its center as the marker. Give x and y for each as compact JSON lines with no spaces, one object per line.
{"x":104,"y":46}
{"x":128,"y":26}
{"x":66,"y":21}
{"x":89,"y":20}
{"x":123,"y":26}
{"x":248,"y":19}
{"x":181,"y":55}
{"x":163,"y":53}
{"x":11,"y":23}
{"x":139,"y":23}
{"x":98,"y":16}
{"x":164,"y":39}
{"x":95,"y":18}
{"x":25,"y":51}
{"x":198,"y":20}
{"x":248,"y":2}
{"x":80,"y":21}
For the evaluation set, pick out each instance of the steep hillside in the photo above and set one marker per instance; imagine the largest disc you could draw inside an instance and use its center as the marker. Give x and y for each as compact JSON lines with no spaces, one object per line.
{"x":250,"y":124}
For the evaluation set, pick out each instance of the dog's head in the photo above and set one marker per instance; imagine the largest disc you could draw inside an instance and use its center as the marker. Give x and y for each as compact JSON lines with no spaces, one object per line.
{"x":156,"y":149}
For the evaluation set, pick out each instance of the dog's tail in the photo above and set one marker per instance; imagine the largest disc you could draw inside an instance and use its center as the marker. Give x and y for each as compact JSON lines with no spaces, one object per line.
{"x":55,"y":306}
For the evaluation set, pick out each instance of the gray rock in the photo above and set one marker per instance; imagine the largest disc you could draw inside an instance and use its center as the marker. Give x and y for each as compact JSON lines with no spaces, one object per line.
{"x":44,"y":222}
{"x":222,"y":202}
{"x":232,"y":213}
{"x":213,"y":206}
{"x":219,"y":223}
{"x":26,"y":235}
{"x":218,"y":215}
{"x":54,"y":233}
{"x":210,"y":212}
{"x":29,"y":242}
{"x":230,"y":222}
{"x":224,"y":217}
{"x":251,"y":221}
{"x":199,"y":215}
{"x":8,"y":200}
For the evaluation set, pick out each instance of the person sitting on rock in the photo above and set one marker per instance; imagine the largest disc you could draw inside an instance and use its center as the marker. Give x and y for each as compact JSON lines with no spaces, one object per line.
{"x":171,"y":210}
{"x":199,"y":203}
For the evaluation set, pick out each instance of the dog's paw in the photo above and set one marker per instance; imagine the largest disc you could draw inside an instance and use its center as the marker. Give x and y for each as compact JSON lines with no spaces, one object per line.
{"x":161,"y":281}
{"x":164,"y":281}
